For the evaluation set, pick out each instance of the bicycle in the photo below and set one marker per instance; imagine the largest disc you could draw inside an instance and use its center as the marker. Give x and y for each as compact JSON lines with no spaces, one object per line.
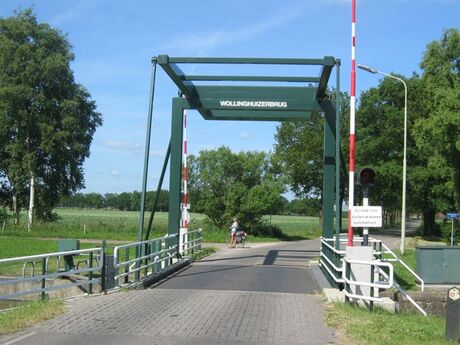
{"x":240,"y":239}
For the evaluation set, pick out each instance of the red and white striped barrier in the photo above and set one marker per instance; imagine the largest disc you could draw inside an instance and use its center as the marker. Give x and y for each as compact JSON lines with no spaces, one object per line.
{"x":351,"y":180}
{"x":185,"y":215}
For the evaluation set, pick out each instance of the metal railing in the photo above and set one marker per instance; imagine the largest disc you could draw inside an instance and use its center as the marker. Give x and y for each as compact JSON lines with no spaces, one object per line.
{"x":395,"y":258}
{"x":348,"y":279}
{"x":41,"y":283}
{"x":134,"y":262}
{"x":340,"y":273}
{"x":406,"y":295}
{"x":327,"y":263}
{"x":191,"y":241}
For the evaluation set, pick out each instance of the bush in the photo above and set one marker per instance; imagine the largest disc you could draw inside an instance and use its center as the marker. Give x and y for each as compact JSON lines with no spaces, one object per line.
{"x":446,"y":230}
{"x":4,"y":216}
{"x":266,"y":230}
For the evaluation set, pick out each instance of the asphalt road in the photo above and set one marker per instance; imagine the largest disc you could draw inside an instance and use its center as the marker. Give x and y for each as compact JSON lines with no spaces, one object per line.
{"x":258,"y":295}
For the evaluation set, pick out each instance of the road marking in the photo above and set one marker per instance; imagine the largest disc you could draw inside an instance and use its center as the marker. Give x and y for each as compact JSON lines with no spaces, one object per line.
{"x":15,"y":340}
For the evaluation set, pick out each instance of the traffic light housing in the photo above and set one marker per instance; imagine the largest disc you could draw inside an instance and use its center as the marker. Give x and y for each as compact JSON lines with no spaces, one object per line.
{"x":366,"y":177}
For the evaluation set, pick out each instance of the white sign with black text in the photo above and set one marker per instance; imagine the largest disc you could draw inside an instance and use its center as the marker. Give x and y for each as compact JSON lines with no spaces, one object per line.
{"x":366,"y":216}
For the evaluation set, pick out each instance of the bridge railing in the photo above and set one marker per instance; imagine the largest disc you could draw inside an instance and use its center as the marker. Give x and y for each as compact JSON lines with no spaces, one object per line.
{"x":135,"y":261}
{"x":52,"y":274}
{"x":350,"y":281}
{"x":191,"y":241}
{"x":381,"y":265}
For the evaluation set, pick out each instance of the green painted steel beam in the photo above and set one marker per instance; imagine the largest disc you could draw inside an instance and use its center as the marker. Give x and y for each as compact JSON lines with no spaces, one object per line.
{"x":175,"y":170}
{"x":254,"y":92}
{"x":185,"y":82}
{"x":328,"y":169}
{"x":256,"y":61}
{"x":250,"y":78}
{"x":279,"y":105}
{"x":324,"y":77}
{"x":255,"y":115}
{"x":251,"y":97}
{"x":175,"y":73}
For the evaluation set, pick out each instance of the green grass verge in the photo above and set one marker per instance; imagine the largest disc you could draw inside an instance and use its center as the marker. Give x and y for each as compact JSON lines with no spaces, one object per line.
{"x":356,"y":325}
{"x":203,"y":253}
{"x":18,"y":319}
{"x":404,"y":278}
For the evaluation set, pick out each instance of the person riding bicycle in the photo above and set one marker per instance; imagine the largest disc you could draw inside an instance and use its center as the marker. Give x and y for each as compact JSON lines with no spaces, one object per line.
{"x":237,"y":235}
{"x":233,"y":229}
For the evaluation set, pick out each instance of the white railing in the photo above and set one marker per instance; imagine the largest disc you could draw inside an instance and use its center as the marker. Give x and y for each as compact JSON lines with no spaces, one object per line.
{"x":410,"y":299}
{"x":327,"y":263}
{"x":398,"y":259}
{"x":191,"y":241}
{"x":378,"y":285}
{"x":142,"y":259}
{"x":18,"y":288}
{"x":379,"y":251}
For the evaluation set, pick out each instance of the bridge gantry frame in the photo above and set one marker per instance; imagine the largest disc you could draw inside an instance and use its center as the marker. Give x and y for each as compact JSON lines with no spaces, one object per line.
{"x":251,"y":98}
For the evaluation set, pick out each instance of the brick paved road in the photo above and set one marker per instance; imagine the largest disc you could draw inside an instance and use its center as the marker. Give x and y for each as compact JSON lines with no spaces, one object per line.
{"x":250,"y":296}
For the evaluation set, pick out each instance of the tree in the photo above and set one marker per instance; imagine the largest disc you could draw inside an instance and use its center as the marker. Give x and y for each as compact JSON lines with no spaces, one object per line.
{"x":380,"y":137}
{"x":438,"y":135}
{"x":223,"y":184}
{"x":47,"y":120}
{"x":299,"y":151}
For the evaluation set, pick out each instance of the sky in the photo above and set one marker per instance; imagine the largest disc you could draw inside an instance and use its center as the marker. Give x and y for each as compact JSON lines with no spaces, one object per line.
{"x":114,"y":41}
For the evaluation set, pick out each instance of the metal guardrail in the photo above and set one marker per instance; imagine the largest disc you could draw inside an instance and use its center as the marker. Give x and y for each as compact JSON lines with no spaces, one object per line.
{"x":132,"y":262}
{"x":94,"y":254}
{"x":398,"y":259}
{"x":378,"y":285}
{"x":379,"y":252}
{"x":406,"y":295}
{"x":191,"y":241}
{"x":135,"y":261}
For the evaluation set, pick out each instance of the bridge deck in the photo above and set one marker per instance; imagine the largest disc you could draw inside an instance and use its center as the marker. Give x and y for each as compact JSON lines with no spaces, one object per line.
{"x":250,"y":296}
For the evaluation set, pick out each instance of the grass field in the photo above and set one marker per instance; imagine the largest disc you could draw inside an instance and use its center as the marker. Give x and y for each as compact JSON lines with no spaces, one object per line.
{"x":123,"y":225}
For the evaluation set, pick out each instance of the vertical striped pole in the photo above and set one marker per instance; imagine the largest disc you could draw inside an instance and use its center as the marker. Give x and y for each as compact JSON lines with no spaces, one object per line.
{"x":351,"y":180}
{"x":185,"y":176}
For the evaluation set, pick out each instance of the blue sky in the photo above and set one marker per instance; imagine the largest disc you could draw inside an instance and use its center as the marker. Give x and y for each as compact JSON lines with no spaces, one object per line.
{"x":114,"y":41}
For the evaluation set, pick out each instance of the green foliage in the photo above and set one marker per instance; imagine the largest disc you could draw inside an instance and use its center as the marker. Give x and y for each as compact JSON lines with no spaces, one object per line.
{"x":124,"y":201}
{"x":403,"y":277}
{"x":438,"y":135}
{"x":446,"y":231}
{"x":299,"y":151}
{"x":380,"y":134}
{"x":47,"y":120}
{"x":4,"y":216}
{"x":224,"y":184}
{"x":309,"y":207}
{"x":204,"y":252}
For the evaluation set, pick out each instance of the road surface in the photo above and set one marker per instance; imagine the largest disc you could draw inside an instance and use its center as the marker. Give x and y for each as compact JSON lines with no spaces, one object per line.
{"x":259,"y":295}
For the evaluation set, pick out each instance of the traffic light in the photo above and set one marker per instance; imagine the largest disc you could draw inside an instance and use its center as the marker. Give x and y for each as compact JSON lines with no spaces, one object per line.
{"x":366,"y":177}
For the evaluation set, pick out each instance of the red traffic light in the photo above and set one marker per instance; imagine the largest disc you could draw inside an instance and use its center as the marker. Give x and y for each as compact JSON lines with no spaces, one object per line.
{"x":367,"y":177}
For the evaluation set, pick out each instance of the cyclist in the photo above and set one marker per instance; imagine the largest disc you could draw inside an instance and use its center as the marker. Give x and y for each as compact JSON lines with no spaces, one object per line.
{"x":233,"y":229}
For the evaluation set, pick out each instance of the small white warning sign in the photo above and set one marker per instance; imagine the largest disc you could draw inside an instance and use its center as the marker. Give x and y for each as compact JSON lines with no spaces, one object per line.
{"x":454,"y":294}
{"x":366,"y":216}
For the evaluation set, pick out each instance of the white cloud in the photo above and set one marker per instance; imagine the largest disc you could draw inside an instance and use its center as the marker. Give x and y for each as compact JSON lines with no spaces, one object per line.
{"x":205,"y":41}
{"x":80,"y":9}
{"x":156,"y":153}
{"x":122,"y":145}
{"x":244,"y":135}
{"x":115,"y":173}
